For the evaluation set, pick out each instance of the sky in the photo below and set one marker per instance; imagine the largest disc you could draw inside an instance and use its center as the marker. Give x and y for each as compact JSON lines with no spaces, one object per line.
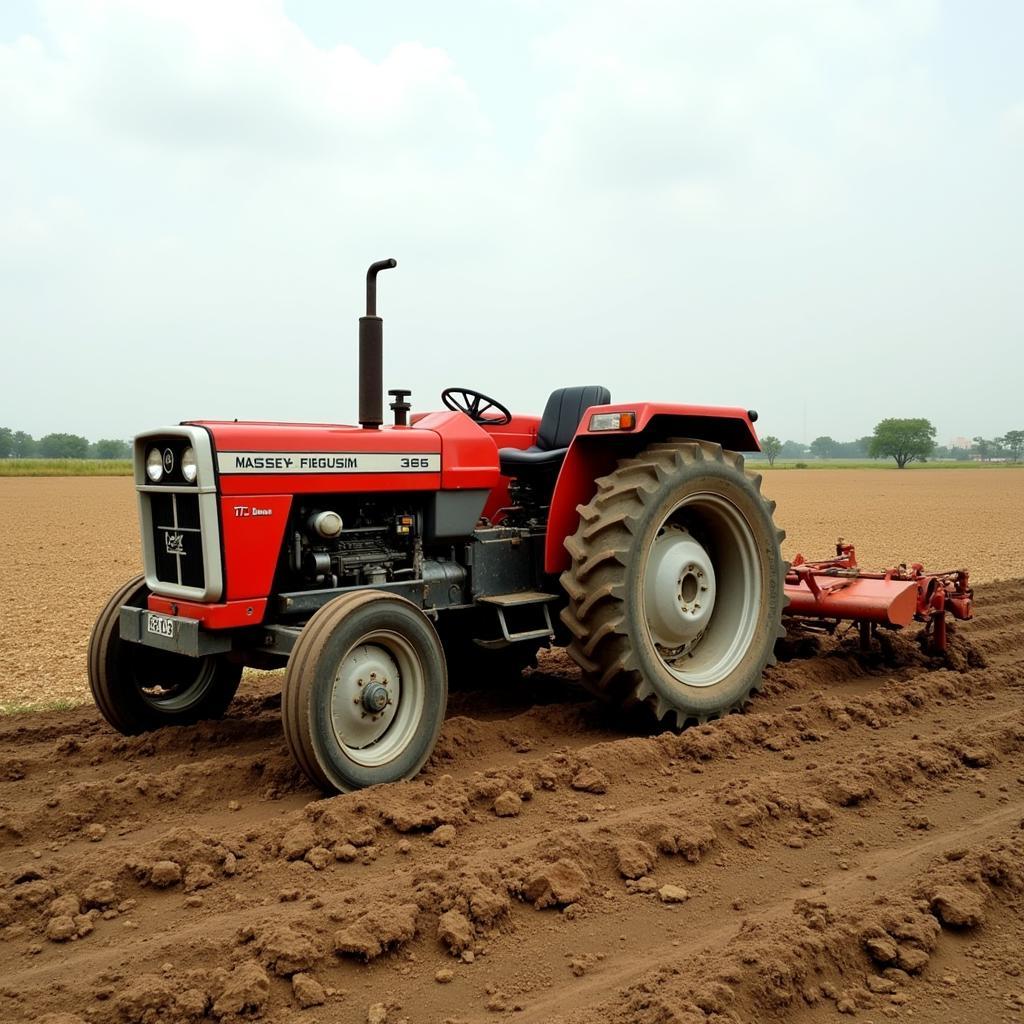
{"x":812,"y":208}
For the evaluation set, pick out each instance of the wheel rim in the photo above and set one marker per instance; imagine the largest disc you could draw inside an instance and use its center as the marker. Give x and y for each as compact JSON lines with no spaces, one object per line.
{"x":702,"y":589}
{"x":377,"y":698}
{"x":172,"y":683}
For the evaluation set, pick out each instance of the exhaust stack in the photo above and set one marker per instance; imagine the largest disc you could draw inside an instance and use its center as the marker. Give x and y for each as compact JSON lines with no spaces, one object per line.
{"x":371,"y":353}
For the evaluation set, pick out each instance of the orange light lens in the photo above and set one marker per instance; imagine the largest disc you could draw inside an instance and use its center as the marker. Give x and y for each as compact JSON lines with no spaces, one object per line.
{"x":627,"y":420}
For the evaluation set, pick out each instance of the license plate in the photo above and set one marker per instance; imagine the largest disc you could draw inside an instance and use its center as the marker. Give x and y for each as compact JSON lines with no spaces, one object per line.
{"x":162,"y":625}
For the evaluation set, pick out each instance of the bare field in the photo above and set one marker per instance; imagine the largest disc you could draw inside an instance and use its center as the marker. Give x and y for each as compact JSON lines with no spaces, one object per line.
{"x":944,"y":518}
{"x":849,"y":845}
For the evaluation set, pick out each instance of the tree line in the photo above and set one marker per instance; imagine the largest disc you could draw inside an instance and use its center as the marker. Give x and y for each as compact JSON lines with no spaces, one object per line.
{"x":16,"y":444}
{"x":903,"y":440}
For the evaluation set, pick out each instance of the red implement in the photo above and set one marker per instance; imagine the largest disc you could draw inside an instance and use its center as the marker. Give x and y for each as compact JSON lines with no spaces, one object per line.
{"x":837,"y":589}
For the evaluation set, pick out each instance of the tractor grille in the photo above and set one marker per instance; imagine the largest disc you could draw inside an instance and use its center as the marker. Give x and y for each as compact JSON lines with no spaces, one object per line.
{"x":177,"y":539}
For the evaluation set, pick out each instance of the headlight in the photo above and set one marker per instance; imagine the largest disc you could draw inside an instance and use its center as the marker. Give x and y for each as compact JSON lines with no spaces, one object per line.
{"x":155,"y":465}
{"x":189,"y":468}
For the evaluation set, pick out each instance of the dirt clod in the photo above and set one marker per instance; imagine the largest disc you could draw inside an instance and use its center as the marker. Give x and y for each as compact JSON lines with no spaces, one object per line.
{"x":165,"y":873}
{"x":60,"y":929}
{"x":455,"y":931}
{"x":958,"y":906}
{"x":590,"y":780}
{"x":246,"y":991}
{"x":556,"y":884}
{"x":673,"y":894}
{"x":507,"y":805}
{"x":308,"y":991}
{"x":377,"y":930}
{"x":634,"y":858}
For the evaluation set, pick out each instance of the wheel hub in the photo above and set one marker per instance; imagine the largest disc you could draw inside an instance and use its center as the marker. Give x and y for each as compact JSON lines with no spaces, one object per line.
{"x":366,"y":695}
{"x":679,"y":590}
{"x":375,"y":697}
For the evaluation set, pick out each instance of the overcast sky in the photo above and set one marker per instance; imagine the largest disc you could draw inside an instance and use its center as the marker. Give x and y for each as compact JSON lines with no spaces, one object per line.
{"x":806,"y":207}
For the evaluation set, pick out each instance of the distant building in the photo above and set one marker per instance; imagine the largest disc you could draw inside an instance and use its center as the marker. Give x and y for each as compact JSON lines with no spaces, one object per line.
{"x":960,"y":442}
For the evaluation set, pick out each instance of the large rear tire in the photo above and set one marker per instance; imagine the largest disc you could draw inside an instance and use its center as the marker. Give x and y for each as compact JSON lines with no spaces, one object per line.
{"x":365,"y":692}
{"x":139,"y":688}
{"x":676,"y":585}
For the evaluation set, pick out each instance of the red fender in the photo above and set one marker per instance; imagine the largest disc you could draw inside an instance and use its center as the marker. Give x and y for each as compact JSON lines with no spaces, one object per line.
{"x":592,"y":455}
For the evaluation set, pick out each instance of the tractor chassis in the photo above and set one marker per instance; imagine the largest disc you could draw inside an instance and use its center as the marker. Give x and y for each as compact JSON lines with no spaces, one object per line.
{"x":500,"y":572}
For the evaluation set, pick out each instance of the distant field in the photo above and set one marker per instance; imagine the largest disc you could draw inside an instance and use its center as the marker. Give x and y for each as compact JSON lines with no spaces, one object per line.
{"x":876,"y":464}
{"x":65,"y":467}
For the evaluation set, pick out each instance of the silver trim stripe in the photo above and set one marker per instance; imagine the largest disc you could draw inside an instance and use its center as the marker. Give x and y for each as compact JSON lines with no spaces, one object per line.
{"x":277,"y":463}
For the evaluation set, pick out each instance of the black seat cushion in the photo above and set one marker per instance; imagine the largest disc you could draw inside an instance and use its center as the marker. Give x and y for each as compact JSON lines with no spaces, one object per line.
{"x":562,"y":415}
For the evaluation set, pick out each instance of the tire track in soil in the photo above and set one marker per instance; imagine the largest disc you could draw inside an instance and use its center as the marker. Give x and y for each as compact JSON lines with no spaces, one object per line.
{"x":845,"y":781}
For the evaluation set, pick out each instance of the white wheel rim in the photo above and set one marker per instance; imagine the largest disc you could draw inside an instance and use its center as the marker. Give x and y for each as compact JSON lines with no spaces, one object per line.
{"x":377,"y":698}
{"x":702,"y":589}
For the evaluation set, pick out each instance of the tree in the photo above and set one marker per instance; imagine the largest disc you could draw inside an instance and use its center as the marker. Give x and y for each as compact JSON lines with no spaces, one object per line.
{"x":793,"y":450}
{"x":823,"y":447}
{"x":1013,"y":442}
{"x":771,"y":446}
{"x":984,"y":448}
{"x":6,"y":442}
{"x":903,"y":440}
{"x":24,"y":445}
{"x":110,"y":448}
{"x":63,"y":446}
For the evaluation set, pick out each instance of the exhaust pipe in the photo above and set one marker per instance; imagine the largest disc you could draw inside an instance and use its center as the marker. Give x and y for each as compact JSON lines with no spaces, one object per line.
{"x":371,"y":353}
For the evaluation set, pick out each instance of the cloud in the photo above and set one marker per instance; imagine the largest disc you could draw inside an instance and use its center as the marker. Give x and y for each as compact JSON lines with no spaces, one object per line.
{"x":726,"y":110}
{"x":190,"y":76}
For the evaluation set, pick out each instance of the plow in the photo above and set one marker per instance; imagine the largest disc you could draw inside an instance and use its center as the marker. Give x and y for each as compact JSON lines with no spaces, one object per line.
{"x":826,"y":593}
{"x":374,"y":562}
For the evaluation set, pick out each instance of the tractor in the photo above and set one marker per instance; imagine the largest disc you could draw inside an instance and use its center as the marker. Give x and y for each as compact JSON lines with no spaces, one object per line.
{"x":371,"y":561}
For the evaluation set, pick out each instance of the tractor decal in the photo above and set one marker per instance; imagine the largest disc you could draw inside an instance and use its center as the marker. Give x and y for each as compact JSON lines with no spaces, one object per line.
{"x":263,"y":463}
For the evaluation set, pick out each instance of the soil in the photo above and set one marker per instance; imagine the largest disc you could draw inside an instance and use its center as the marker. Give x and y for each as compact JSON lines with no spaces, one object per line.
{"x":850,"y":846}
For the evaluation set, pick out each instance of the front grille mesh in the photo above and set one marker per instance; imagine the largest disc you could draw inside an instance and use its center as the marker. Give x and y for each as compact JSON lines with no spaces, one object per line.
{"x":177,"y":539}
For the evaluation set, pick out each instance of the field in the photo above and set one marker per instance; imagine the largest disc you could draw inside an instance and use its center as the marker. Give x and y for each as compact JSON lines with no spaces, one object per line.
{"x":851,"y":843}
{"x":65,"y":467}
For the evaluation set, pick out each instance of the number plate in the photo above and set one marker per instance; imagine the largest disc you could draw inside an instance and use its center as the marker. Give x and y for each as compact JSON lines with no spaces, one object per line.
{"x":162,"y":625}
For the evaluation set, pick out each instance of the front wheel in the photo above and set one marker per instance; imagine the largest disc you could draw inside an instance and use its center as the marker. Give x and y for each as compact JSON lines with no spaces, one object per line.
{"x":138,"y":688}
{"x":676,"y":584}
{"x":365,"y":692}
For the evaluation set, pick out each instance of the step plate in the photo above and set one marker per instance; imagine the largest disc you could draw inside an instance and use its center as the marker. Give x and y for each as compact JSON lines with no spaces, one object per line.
{"x":514,"y":600}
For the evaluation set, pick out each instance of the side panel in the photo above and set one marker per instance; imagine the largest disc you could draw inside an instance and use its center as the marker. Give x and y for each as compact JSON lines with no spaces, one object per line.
{"x":592,"y":455}
{"x":469,"y":457}
{"x":253,"y":527}
{"x":302,"y":458}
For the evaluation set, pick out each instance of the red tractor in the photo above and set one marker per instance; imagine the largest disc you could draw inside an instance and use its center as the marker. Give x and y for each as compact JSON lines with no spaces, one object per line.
{"x":373,"y":560}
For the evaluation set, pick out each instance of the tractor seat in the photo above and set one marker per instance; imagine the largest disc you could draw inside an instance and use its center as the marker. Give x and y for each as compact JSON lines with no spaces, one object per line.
{"x":562,"y":415}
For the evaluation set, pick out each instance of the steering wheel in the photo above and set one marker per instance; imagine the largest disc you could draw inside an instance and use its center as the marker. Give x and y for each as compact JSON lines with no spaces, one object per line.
{"x":474,"y":405}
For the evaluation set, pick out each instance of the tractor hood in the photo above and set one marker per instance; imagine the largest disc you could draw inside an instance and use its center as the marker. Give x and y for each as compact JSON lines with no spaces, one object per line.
{"x":441,"y":450}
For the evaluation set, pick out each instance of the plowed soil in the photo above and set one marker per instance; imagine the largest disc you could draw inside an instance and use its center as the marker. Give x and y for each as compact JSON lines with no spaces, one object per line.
{"x":852,"y":844}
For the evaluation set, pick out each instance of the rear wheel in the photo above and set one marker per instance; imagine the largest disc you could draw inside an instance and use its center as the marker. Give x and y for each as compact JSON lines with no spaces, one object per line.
{"x":365,"y":692}
{"x":676,"y":582}
{"x":139,"y":688}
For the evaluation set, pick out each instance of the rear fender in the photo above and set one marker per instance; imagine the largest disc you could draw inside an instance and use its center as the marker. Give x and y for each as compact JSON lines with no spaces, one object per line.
{"x":592,"y":455}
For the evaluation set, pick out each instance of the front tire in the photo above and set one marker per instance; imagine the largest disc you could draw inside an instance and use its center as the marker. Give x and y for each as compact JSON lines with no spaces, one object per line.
{"x":138,"y":688}
{"x":676,"y":583}
{"x":365,"y":692}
